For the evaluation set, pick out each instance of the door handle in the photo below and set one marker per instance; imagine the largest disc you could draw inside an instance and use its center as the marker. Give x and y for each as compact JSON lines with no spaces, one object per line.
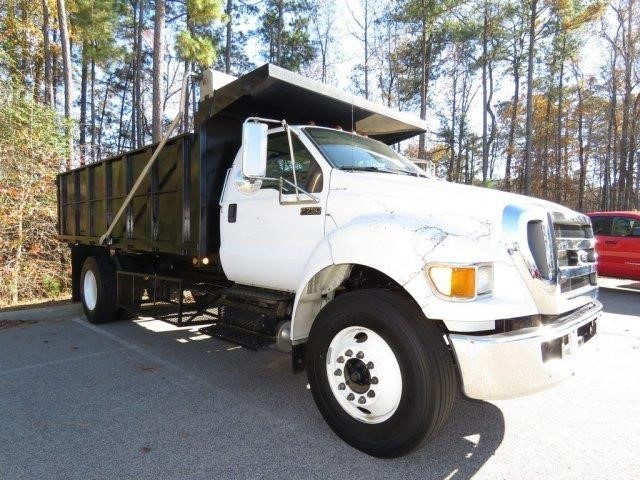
{"x":232,"y":213}
{"x":610,"y":242}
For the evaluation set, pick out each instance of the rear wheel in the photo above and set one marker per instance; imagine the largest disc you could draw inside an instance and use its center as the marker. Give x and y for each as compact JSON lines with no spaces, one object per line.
{"x":98,"y":289}
{"x":380,"y":373}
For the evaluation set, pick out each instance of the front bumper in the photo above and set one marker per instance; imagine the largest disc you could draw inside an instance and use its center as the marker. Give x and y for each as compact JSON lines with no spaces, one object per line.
{"x":512,"y":364}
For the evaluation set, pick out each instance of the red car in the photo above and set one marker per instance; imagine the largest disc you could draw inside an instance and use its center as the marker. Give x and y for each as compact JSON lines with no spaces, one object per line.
{"x":617,"y":243}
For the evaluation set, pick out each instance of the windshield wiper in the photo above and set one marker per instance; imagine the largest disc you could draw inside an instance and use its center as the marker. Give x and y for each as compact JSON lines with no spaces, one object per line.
{"x":409,"y":172}
{"x":356,"y":168}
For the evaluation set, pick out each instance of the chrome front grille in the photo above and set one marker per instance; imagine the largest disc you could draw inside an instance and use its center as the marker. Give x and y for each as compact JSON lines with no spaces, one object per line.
{"x":576,"y":255}
{"x":554,"y":252}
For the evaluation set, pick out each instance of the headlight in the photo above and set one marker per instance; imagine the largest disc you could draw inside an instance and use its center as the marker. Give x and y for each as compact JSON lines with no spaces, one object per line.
{"x":461,"y":282}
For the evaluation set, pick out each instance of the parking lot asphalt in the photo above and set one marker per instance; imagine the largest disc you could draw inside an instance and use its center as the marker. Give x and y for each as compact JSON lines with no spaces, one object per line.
{"x":144,"y":399}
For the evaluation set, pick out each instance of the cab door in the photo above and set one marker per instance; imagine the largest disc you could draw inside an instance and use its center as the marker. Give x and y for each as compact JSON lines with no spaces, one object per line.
{"x":265,"y":240}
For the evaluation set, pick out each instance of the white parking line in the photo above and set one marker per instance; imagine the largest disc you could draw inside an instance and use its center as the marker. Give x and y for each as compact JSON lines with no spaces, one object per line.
{"x":55,"y":362}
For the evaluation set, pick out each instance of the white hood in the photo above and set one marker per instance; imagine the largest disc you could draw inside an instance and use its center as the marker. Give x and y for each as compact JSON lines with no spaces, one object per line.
{"x":355,"y":194}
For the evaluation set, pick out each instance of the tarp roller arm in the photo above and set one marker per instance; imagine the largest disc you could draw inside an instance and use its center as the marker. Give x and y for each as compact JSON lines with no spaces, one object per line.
{"x":150,"y":163}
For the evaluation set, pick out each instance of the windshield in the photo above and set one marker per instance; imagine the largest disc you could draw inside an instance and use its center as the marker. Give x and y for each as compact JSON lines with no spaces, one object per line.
{"x":348,"y":151}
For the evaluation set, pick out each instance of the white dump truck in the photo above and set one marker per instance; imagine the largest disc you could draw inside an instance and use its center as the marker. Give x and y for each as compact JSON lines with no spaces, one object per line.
{"x":288,"y":217}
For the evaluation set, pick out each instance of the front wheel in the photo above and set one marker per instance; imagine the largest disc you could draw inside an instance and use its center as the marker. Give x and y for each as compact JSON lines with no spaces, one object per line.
{"x":380,"y":373}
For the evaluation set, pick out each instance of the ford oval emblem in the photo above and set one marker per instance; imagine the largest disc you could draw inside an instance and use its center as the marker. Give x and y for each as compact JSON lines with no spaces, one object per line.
{"x":583,"y":257}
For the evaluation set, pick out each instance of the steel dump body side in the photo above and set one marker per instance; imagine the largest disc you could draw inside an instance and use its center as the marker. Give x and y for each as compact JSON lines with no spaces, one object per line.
{"x":163,"y":215}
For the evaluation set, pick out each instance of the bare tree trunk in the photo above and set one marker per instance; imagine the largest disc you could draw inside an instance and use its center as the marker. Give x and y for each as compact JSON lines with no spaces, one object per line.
{"x":548,"y":134}
{"x":366,"y":49}
{"x":452,"y":137}
{"x":93,"y":111}
{"x":158,"y":69}
{"x":36,"y":86}
{"x":138,"y":83}
{"x":83,"y":104}
{"x":54,"y":69}
{"x":606,"y":182}
{"x":485,"y":106}
{"x":134,"y":75}
{"x":279,"y":32}
{"x":46,"y":46}
{"x":121,"y":126}
{"x":632,"y":198}
{"x":581,"y":153}
{"x":102,"y":111}
{"x":426,"y":46}
{"x":565,"y":164}
{"x":547,"y":127}
{"x":17,"y":259}
{"x":185,"y":115}
{"x":323,"y":25}
{"x":227,"y":47}
{"x":68,"y":82}
{"x":558,"y":156}
{"x":512,"y":125}
{"x":533,"y":15}
{"x":493,"y":130}
{"x":625,"y":134}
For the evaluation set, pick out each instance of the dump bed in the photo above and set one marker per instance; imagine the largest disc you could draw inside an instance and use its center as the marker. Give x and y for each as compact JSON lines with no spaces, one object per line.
{"x":162,"y":216}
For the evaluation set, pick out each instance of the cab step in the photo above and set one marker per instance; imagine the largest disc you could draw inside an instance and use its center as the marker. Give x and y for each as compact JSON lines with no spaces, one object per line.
{"x":257,"y":294}
{"x":270,"y":303}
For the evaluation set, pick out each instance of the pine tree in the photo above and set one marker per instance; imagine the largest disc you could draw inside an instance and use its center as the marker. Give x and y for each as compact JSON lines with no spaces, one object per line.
{"x":284,"y":29}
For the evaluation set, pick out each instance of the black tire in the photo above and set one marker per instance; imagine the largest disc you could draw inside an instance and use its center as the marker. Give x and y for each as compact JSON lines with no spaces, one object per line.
{"x":429,"y":381}
{"x":105,"y":308}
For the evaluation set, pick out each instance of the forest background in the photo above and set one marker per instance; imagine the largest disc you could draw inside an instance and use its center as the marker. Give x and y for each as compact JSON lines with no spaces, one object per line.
{"x":540,"y":97}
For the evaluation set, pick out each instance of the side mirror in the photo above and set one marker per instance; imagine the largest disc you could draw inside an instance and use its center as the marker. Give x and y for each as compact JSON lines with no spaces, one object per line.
{"x":254,"y":150}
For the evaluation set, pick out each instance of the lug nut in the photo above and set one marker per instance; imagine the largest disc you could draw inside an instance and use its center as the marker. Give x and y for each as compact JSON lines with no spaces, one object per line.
{"x":370,"y":365}
{"x":362,"y":400}
{"x":349,"y":353}
{"x":350,"y":397}
{"x":342,"y":386}
{"x":340,"y":359}
{"x":374,"y":380}
{"x":338,"y":372}
{"x":371,"y":394}
{"x":360,"y":355}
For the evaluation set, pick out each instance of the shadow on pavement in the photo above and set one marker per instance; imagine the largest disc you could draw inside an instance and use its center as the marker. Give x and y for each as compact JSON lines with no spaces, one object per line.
{"x":472,"y":435}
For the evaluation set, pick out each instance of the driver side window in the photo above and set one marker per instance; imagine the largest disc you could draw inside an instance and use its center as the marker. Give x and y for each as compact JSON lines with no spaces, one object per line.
{"x":308,"y":172}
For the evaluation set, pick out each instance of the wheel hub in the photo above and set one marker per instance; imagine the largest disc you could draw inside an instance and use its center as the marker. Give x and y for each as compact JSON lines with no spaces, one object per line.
{"x":90,"y":290}
{"x":364,"y":374}
{"x":357,"y":376}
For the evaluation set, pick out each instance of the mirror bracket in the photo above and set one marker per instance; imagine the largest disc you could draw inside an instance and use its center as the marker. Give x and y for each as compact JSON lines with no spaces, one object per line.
{"x":312,"y":199}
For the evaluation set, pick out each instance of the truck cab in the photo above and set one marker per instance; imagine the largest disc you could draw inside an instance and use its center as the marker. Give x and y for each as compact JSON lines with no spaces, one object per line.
{"x":394,"y":289}
{"x":501,"y":273}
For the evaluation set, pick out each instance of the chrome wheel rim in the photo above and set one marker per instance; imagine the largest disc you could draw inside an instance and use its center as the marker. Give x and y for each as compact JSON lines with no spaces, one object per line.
{"x":90,"y":290}
{"x":364,"y":374}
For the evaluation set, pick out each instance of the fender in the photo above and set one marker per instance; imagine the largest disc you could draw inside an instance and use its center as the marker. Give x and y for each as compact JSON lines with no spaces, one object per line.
{"x":399,"y":246}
